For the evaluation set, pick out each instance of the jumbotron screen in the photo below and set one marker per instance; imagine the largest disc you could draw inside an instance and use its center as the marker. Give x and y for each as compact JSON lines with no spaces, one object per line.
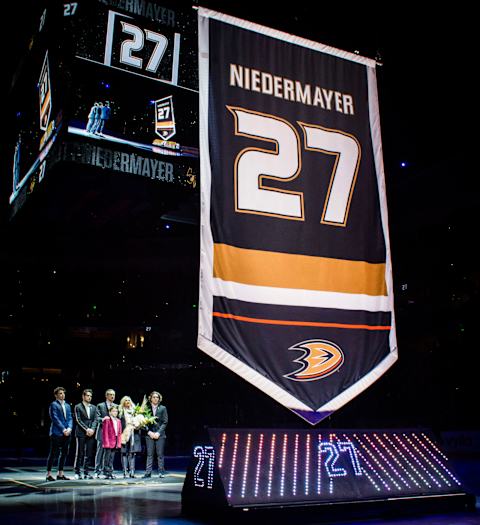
{"x":134,"y":89}
{"x":37,"y":103}
{"x":117,"y":83}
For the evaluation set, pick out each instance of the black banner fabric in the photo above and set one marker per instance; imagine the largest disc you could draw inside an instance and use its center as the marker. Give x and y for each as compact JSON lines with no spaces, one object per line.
{"x":296,"y":289}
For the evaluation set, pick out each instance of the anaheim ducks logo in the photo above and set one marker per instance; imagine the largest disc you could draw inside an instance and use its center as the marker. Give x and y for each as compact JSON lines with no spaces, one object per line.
{"x":320,"y":358}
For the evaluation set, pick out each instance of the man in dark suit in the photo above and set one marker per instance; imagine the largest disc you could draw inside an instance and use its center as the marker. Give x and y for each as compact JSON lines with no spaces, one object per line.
{"x":156,"y":436}
{"x":86,"y":420}
{"x":60,"y":430}
{"x":102,"y":411}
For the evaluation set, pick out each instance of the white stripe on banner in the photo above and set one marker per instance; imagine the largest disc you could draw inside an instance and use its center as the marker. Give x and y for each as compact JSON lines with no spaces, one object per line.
{"x":296,"y":297}
{"x":374,"y":113}
{"x":205,"y":307}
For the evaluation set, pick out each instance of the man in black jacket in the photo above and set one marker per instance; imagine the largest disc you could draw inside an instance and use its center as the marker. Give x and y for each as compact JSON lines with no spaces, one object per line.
{"x":102,"y":411}
{"x":86,"y":420}
{"x":155,"y":438}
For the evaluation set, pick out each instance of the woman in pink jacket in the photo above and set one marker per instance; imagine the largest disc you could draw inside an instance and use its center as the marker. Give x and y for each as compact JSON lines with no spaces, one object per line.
{"x":111,"y":439}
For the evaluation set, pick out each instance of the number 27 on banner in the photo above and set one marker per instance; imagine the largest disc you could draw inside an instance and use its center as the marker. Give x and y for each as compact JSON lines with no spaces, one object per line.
{"x":284,"y":164}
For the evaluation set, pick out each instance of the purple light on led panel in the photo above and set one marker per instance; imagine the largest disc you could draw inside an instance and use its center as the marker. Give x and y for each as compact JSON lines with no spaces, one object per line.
{"x":435,"y":455}
{"x":232,"y":468}
{"x":409,"y":469}
{"x":319,"y":465}
{"x":419,"y":465}
{"x":435,"y":448}
{"x":271,"y":462}
{"x":284,"y":461}
{"x":246,"y":464}
{"x":222,"y":450}
{"x":375,"y":454}
{"x":307,"y":464}
{"x":404,"y":458}
{"x":420,"y":458}
{"x":295,"y":466}
{"x":428,"y":462}
{"x":386,"y":451}
{"x":372,"y":468}
{"x":259,"y":464}
{"x":368,"y":472}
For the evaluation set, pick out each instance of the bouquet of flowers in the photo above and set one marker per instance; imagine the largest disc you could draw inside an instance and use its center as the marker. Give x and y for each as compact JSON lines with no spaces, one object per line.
{"x":143,"y":415}
{"x":139,"y":417}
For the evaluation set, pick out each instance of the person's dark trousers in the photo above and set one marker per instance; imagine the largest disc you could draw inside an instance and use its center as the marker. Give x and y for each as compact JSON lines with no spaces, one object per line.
{"x":84,"y":455}
{"x":155,"y":446}
{"x":99,"y":457}
{"x":58,"y":445}
{"x":108,"y":457}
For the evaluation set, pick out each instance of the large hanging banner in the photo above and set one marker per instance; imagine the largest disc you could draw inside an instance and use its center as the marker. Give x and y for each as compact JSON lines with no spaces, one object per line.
{"x":296,"y":290}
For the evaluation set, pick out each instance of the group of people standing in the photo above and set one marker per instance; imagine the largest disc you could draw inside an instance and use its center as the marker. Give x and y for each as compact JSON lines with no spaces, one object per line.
{"x":99,"y":113}
{"x":102,"y":430}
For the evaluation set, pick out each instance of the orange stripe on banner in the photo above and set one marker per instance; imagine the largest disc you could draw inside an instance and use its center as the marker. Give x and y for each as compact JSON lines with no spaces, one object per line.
{"x":306,"y":272}
{"x":299,"y":323}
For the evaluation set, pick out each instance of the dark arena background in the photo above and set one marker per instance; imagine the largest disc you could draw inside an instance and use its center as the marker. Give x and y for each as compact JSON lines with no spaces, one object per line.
{"x":99,"y":257}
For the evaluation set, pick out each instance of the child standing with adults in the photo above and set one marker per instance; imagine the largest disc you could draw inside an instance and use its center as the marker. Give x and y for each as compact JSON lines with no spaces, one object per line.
{"x":111,"y":439}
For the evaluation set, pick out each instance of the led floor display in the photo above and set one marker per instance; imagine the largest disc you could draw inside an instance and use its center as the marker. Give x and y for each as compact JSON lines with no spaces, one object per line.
{"x":271,"y":467}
